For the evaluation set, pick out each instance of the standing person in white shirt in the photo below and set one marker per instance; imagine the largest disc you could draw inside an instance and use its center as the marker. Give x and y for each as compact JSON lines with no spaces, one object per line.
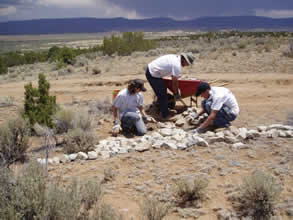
{"x":220,"y":105}
{"x":128,"y":109}
{"x":167,"y":65}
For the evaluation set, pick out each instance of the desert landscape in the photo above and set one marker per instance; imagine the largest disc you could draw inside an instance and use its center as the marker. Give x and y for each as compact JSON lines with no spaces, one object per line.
{"x":259,"y":71}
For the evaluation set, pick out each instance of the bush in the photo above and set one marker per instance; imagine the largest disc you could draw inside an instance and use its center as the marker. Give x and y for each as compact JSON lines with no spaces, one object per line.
{"x":29,"y":196}
{"x":3,"y":66}
{"x":105,"y":212}
{"x":82,"y":120}
{"x":258,"y":195}
{"x":77,"y":140}
{"x":128,"y":43}
{"x":64,"y":120}
{"x":39,"y":106}
{"x":189,"y":193}
{"x":152,"y":209}
{"x":14,"y":137}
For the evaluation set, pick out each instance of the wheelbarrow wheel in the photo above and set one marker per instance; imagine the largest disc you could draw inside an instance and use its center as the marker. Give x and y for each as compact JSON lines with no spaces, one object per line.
{"x":171,"y":101}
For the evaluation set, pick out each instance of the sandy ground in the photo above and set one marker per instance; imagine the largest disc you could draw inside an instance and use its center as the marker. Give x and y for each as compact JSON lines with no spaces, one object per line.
{"x":265,"y":98}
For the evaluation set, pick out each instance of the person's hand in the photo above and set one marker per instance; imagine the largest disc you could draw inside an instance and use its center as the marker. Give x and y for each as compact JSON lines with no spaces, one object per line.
{"x":177,"y":95}
{"x":147,"y":118}
{"x":116,"y":128}
{"x":199,"y":130}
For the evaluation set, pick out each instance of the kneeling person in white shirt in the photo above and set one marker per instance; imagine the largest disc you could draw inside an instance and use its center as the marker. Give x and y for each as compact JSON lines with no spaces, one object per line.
{"x":128,"y":109}
{"x":220,"y":105}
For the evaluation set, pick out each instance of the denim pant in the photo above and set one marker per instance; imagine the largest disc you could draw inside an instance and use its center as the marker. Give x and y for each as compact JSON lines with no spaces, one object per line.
{"x":160,"y":90}
{"x":223,"y":117}
{"x":132,"y":122}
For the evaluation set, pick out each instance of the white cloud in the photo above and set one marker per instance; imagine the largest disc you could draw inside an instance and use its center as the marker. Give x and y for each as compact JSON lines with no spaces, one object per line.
{"x":98,"y":8}
{"x":7,"y":11}
{"x":67,"y":3}
{"x":274,"y":13}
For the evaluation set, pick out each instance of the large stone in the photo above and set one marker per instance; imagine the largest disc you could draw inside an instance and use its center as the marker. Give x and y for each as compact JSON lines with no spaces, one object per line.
{"x":82,"y":156}
{"x":142,"y":147}
{"x":180,"y":122}
{"x":200,"y":141}
{"x":92,"y":155}
{"x":166,"y":132}
{"x":64,"y":158}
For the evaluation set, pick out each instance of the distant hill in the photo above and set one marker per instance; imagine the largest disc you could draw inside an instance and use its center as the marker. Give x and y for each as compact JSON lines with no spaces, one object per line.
{"x":94,"y":25}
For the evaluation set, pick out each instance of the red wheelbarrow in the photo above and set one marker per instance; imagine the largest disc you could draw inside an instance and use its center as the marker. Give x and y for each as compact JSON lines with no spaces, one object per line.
{"x":188,"y":88}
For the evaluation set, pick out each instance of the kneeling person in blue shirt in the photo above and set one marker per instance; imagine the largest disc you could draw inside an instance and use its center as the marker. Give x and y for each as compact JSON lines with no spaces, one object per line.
{"x":220,"y":105}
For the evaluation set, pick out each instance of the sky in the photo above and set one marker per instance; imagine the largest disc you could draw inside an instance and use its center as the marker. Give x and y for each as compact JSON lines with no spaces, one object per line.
{"x":139,"y":9}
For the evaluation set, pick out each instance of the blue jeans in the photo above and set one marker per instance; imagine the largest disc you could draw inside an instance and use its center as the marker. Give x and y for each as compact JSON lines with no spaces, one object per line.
{"x":223,"y":117}
{"x":160,"y":90}
{"x":132,"y":122}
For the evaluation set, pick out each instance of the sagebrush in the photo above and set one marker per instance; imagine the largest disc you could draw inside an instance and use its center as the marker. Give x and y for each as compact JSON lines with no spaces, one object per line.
{"x":29,"y":196}
{"x":258,"y":195}
{"x":14,"y":137}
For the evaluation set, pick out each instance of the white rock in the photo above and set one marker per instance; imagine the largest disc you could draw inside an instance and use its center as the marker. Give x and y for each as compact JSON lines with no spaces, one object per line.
{"x":166,"y":132}
{"x":180,"y":122}
{"x":142,"y":147}
{"x":169,"y":144}
{"x":273,"y":133}
{"x":200,"y":141}
{"x":72,"y":157}
{"x":105,"y":154}
{"x":55,"y":160}
{"x":64,"y":158}
{"x":253,"y":134}
{"x":92,"y":155}
{"x":215,"y":140}
{"x":41,"y":161}
{"x":82,"y":156}
{"x":262,"y":128}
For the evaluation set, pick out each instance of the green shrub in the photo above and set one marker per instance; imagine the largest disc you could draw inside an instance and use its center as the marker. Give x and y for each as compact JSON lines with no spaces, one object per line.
{"x":14,"y":135}
{"x":189,"y":193}
{"x":3,"y":66}
{"x":29,"y":196}
{"x":128,"y":43}
{"x":152,"y":209}
{"x":39,"y":106}
{"x":77,"y":140}
{"x":259,"y":193}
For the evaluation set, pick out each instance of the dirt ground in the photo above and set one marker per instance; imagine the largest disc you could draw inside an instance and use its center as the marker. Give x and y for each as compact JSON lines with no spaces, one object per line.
{"x":265,"y":98}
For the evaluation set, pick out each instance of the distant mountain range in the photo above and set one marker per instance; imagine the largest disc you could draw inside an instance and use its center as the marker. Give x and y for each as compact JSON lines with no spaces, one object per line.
{"x":94,"y":25}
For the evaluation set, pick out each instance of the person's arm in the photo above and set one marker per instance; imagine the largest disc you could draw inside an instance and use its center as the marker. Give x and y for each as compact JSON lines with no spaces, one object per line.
{"x":141,"y":109}
{"x":116,"y":114}
{"x":175,"y":85}
{"x":209,"y":120}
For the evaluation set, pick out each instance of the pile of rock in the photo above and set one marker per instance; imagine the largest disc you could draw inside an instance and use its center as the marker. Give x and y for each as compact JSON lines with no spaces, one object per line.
{"x":171,"y":137}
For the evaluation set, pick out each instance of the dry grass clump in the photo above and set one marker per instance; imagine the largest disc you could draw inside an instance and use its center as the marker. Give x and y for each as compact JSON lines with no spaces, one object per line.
{"x":190,"y":192}
{"x":152,"y":209}
{"x":109,"y":175}
{"x":101,"y":107}
{"x":78,"y":140}
{"x":289,"y":51}
{"x":258,"y":195}
{"x":14,"y":136}
{"x":105,"y":212}
{"x":66,"y":119}
{"x":29,"y":196}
